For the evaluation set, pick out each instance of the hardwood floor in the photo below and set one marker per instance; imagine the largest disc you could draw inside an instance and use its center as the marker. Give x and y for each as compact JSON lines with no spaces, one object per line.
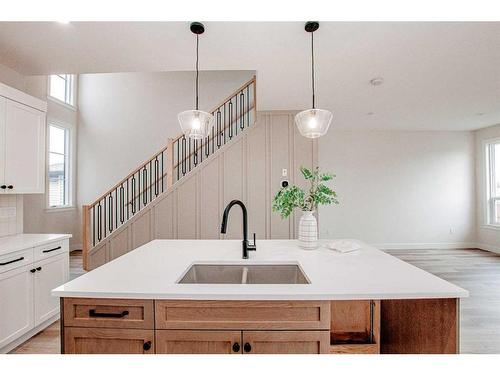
{"x":476,"y":270}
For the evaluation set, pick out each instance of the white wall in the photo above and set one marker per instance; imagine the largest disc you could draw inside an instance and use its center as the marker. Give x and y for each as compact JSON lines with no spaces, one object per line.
{"x":124,"y":118}
{"x":400,"y":187}
{"x":488,"y":237}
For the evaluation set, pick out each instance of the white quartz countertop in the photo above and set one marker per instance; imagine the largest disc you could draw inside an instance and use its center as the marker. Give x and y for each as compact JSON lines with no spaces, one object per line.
{"x":152,"y":271}
{"x":17,"y":242}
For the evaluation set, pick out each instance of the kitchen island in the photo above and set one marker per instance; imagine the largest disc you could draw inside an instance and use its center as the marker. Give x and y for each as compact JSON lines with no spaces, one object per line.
{"x":151,"y":301}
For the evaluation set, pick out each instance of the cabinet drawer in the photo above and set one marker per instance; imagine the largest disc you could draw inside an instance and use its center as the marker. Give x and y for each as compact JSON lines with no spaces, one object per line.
{"x":111,"y":313}
{"x":17,"y":259}
{"x":51,"y":249}
{"x":242,"y":314}
{"x":108,"y":341}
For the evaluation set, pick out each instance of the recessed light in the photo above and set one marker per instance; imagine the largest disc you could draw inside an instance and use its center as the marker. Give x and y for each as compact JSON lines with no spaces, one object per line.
{"x":479,"y":114}
{"x":370,"y":113}
{"x":377,"y":81}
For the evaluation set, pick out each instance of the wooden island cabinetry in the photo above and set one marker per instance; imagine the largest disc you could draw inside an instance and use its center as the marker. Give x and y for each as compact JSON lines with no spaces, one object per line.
{"x":240,"y":327}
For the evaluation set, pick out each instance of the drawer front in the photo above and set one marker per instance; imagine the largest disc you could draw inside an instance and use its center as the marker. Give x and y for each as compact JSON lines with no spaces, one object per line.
{"x":242,"y":314}
{"x":51,"y":249}
{"x":108,"y":341}
{"x":110,"y":313}
{"x":17,"y":259}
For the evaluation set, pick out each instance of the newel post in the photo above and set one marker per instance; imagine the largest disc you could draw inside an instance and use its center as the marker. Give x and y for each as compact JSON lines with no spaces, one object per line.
{"x":85,"y":234}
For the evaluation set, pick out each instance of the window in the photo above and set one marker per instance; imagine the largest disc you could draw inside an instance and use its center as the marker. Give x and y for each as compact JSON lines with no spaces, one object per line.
{"x":62,"y":88}
{"x":493,"y":183}
{"x":59,"y":168}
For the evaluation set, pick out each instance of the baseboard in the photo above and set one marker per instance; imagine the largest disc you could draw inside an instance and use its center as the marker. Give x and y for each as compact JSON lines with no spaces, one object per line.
{"x":423,"y":246}
{"x":20,"y":340}
{"x":75,"y":246}
{"x":488,"y":247}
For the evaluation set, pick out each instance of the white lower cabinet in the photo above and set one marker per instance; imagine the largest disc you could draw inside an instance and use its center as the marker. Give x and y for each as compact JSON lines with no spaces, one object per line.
{"x":26,"y":301}
{"x":16,"y":304}
{"x":50,"y":273}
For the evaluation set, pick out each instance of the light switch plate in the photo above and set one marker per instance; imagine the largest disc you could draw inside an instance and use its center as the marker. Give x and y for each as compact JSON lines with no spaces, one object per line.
{"x":284,"y":173}
{"x":8,"y":212}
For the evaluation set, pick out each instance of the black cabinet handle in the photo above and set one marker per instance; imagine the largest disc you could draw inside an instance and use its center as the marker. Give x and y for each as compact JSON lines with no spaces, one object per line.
{"x":39,"y":268}
{"x":10,"y":187}
{"x":147,"y":345}
{"x":33,"y":270}
{"x":95,"y":314}
{"x":236,"y":347}
{"x":11,"y":261}
{"x":247,"y":347}
{"x":54,"y":249}
{"x":3,"y":186}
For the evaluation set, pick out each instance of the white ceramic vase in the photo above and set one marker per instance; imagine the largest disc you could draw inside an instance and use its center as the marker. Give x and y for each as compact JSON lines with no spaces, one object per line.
{"x":308,"y":231}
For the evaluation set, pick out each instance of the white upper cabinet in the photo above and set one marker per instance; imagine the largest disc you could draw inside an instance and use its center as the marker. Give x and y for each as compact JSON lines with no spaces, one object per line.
{"x":22,"y":142}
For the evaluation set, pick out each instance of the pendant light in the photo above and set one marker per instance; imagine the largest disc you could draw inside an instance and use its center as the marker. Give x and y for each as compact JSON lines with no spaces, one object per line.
{"x":313,"y":123}
{"x":196,"y":124}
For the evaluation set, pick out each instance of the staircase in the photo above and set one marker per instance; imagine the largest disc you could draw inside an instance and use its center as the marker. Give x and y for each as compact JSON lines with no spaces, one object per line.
{"x":156,"y":177}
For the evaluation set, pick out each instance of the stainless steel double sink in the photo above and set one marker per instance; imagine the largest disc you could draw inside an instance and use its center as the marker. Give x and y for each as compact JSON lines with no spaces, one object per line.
{"x":244,"y":274}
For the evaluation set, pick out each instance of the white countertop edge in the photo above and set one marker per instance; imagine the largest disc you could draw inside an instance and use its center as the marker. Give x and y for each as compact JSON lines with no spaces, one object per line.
{"x":7,"y":249}
{"x":257,"y":297}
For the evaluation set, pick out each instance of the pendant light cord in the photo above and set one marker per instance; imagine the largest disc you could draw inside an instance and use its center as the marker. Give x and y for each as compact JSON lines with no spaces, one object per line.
{"x":312,"y":67}
{"x":197,"y":46}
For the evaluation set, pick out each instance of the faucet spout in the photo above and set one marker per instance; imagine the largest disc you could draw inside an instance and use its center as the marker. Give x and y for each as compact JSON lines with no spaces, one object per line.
{"x":246,"y":246}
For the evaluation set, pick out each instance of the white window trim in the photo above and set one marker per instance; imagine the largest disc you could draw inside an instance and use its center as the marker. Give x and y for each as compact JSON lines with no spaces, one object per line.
{"x":72,"y":166}
{"x":74,"y":83}
{"x":488,"y":210}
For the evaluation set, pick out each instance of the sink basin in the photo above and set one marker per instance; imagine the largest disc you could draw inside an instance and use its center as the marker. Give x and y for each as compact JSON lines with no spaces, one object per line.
{"x":244,"y":274}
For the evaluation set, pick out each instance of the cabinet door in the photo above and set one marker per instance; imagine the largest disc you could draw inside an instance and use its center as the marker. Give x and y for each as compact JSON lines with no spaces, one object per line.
{"x":24,"y":149}
{"x":16,"y":304}
{"x":108,"y":341}
{"x":2,"y":141}
{"x":198,"y":342}
{"x":51,"y":273}
{"x":285,"y":342}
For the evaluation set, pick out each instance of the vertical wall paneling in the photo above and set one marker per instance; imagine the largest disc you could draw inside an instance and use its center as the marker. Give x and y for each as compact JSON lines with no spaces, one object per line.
{"x":141,"y":229}
{"x":233,"y":186}
{"x":164,"y":215}
{"x":209,"y":200}
{"x":187,"y":208}
{"x":249,"y":168}
{"x":120,"y":244}
{"x":280,"y":158}
{"x":256,"y":181}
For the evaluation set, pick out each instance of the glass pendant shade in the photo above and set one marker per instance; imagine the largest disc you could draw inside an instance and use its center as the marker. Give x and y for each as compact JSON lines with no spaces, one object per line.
{"x":313,"y":123}
{"x":196,"y":124}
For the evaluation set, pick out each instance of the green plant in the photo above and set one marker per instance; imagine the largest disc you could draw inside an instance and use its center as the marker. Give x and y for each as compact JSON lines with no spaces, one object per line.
{"x":291,"y":197}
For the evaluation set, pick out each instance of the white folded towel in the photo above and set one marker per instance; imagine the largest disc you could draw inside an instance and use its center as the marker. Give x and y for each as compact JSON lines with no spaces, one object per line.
{"x":343,"y":246}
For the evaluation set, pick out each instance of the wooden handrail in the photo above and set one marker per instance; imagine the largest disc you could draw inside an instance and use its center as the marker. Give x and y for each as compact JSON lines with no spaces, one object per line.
{"x":236,"y":92}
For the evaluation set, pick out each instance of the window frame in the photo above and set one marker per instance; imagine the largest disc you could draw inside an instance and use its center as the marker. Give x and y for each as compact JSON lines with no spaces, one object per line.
{"x":71,"y":164}
{"x":491,"y":198}
{"x":72,"y":82}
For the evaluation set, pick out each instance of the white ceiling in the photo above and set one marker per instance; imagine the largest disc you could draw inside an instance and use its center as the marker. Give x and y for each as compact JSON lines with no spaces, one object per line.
{"x":437,"y":76}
